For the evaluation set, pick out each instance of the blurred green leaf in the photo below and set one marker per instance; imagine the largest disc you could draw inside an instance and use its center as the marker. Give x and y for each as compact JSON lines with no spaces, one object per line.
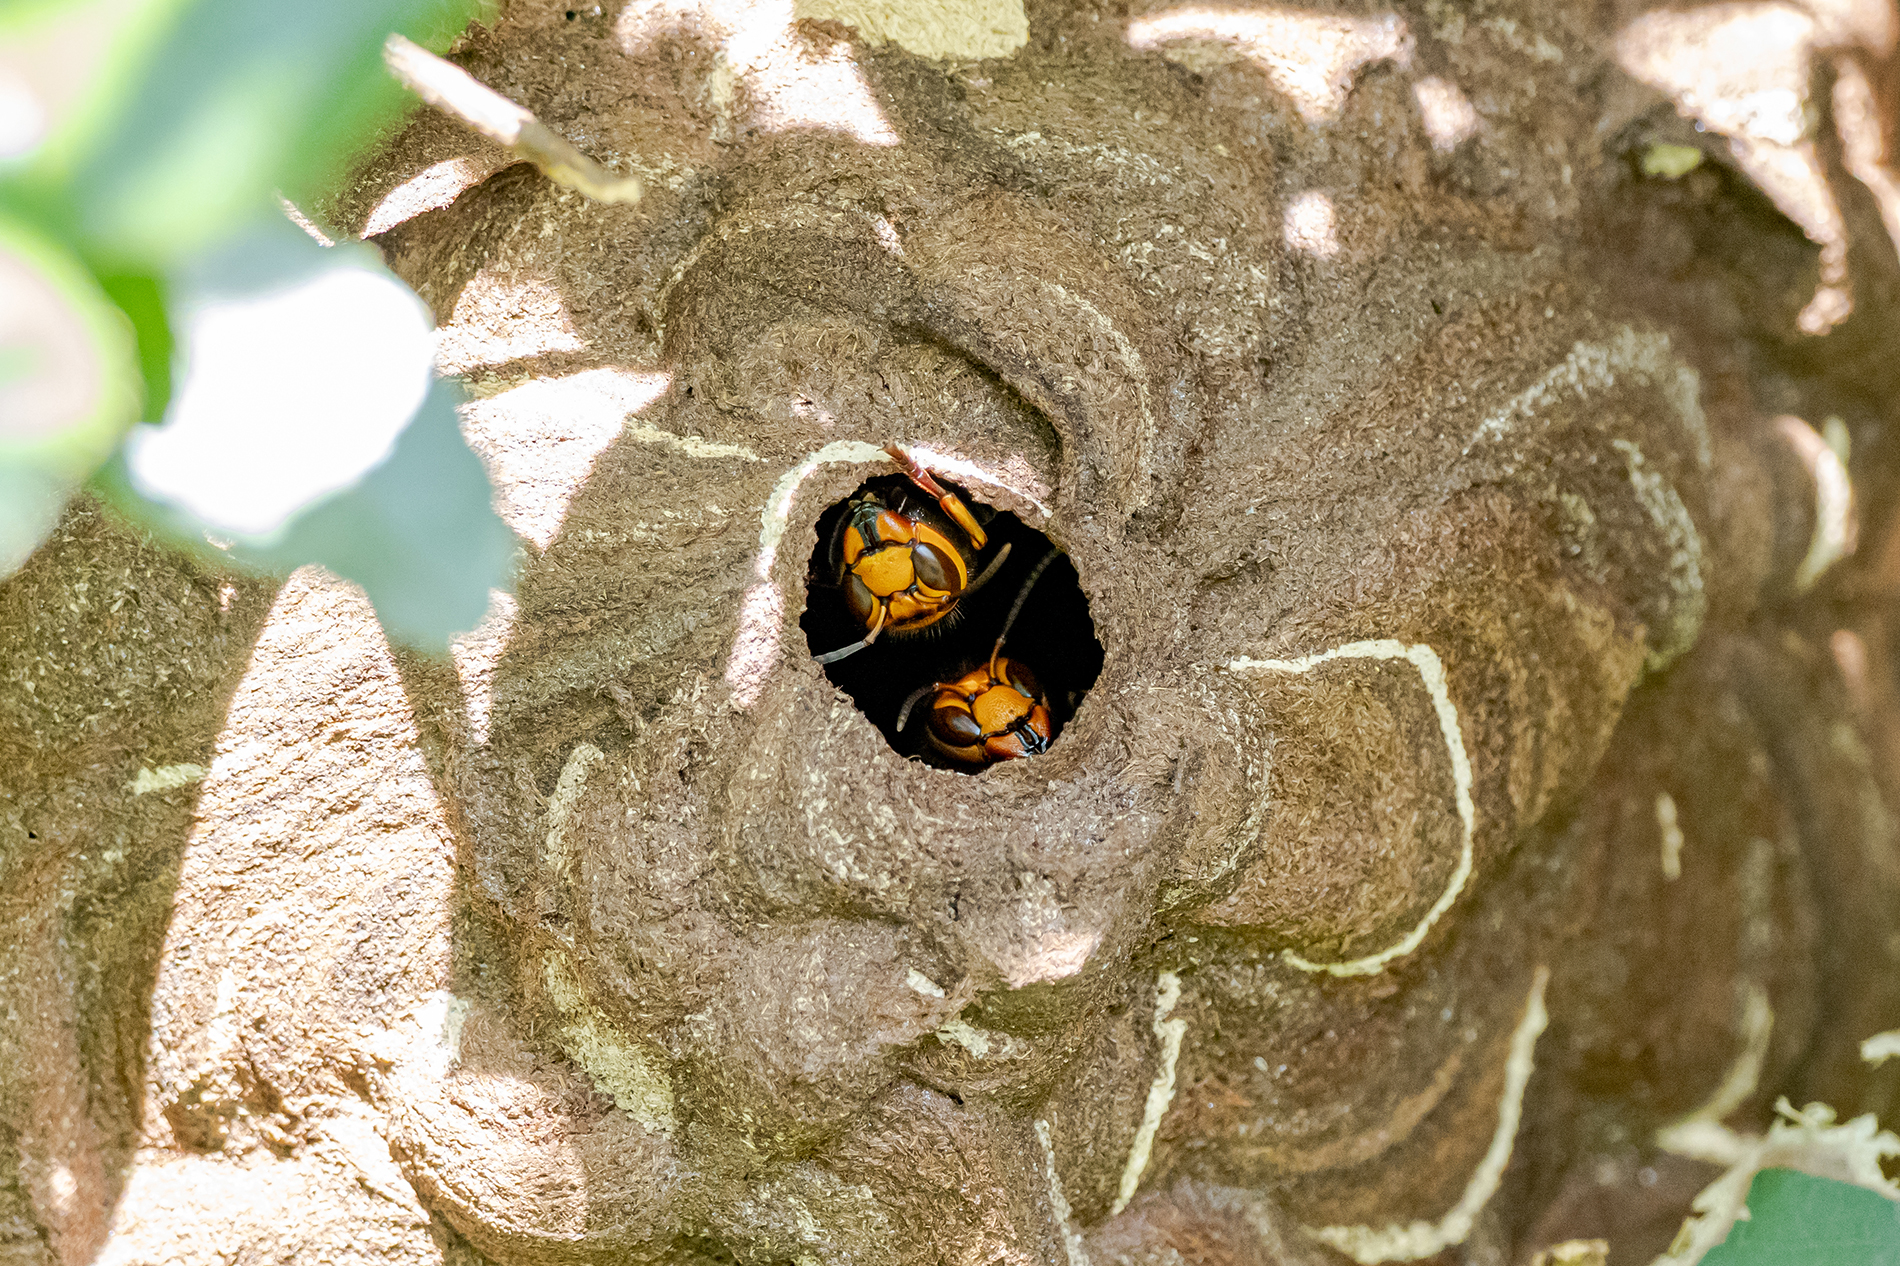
{"x":1799,"y":1220}
{"x":298,"y":367}
{"x":419,"y":533}
{"x":68,"y":389}
{"x":31,"y":499}
{"x":66,"y":63}
{"x":200,"y":109}
{"x":150,"y":140}
{"x":306,"y":427}
{"x":142,"y":299}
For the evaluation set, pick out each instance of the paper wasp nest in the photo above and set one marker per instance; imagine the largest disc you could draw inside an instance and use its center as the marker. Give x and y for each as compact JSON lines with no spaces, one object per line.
{"x":1466,"y":792}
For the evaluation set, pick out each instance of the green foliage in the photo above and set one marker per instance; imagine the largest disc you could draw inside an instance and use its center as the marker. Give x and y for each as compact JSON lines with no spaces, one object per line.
{"x":416,"y":532}
{"x":1799,"y":1220}
{"x":141,"y":297}
{"x":236,"y":98}
{"x":68,"y":383}
{"x":194,"y":112}
{"x":168,"y":130}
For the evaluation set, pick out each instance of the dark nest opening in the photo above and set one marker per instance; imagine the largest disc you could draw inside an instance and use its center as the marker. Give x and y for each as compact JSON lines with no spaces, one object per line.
{"x":1053,"y":634}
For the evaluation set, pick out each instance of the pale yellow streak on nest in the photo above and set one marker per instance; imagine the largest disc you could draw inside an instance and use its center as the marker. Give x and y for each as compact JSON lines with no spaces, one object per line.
{"x":1744,"y":1074}
{"x":1431,"y":671}
{"x":1161,"y":1093}
{"x":1420,"y":1239}
{"x":1881,"y":1047}
{"x":638,"y":1084}
{"x":943,"y":30}
{"x":165,"y":778}
{"x":1072,"y":1242}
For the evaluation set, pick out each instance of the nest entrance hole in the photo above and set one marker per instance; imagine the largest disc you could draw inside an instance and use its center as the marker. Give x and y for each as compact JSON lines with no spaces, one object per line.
{"x":1054,"y":634}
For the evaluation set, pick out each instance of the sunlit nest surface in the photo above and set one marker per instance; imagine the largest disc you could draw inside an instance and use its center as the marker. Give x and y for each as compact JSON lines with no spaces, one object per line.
{"x":1053,"y":635}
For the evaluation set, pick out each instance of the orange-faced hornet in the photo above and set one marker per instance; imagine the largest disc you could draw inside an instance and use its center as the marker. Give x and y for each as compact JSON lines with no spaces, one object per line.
{"x":994,"y":712}
{"x":903,"y":568}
